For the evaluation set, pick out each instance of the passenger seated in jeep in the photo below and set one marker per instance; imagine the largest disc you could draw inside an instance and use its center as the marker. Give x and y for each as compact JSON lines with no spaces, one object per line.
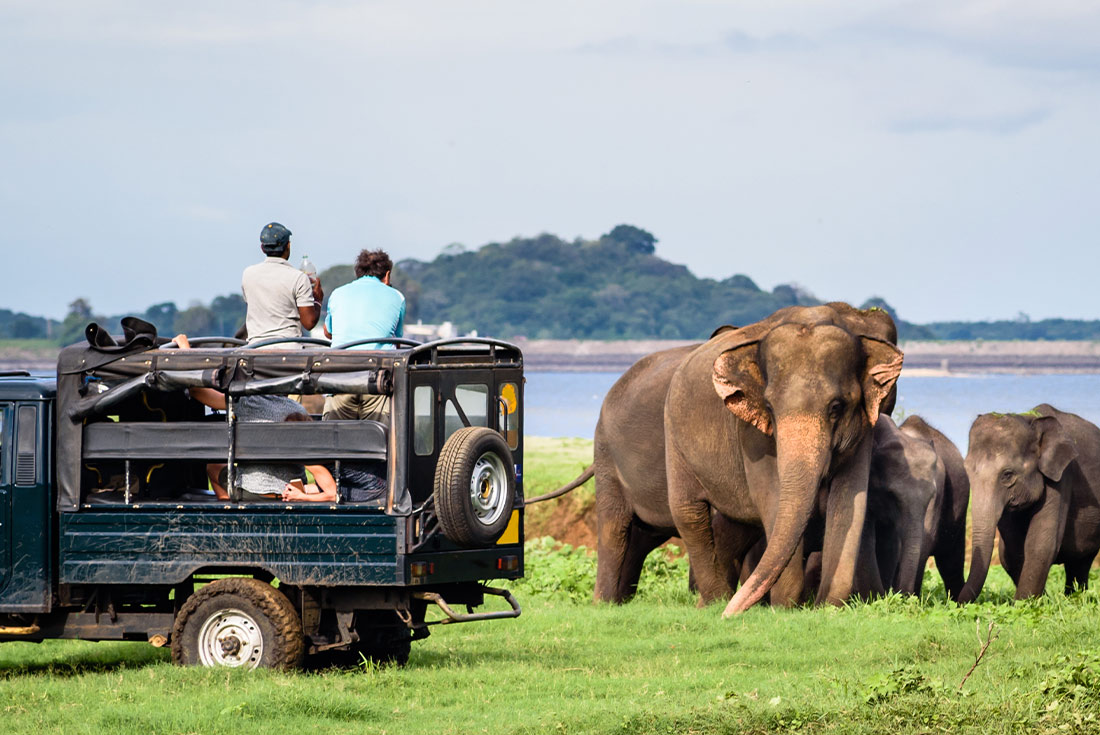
{"x":361,"y":481}
{"x":269,"y":480}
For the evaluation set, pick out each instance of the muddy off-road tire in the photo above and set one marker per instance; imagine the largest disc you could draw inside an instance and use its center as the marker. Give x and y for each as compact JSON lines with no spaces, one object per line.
{"x":238,"y":622}
{"x":475,"y":486}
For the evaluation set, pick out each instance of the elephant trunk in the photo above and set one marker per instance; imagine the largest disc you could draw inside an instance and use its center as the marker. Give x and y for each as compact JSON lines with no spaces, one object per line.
{"x":986,"y":512}
{"x":910,"y":569}
{"x":802,"y":458}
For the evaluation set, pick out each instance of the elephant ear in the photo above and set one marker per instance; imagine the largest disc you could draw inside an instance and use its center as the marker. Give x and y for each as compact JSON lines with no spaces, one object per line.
{"x":1056,"y":448}
{"x":723,"y":329}
{"x":880,"y":373}
{"x":740,"y":384}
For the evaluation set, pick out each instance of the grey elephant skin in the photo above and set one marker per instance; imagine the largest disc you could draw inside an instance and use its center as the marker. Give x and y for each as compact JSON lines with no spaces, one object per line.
{"x":1035,"y":478}
{"x":918,"y":492}
{"x":765,"y":425}
{"x":905,"y":501}
{"x":949,"y":538}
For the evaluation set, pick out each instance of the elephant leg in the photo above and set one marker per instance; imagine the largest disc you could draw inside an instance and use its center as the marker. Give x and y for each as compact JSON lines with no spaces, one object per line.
{"x":789,"y":589}
{"x":1044,"y":537}
{"x":752,"y":558}
{"x":811,"y":576}
{"x":868,"y":577}
{"x":692,"y":515}
{"x":845,"y":523}
{"x":642,"y":540}
{"x":1011,"y":559}
{"x":887,"y":546}
{"x":734,"y":542}
{"x":950,"y":557}
{"x":1077,"y":575}
{"x":614,"y":520}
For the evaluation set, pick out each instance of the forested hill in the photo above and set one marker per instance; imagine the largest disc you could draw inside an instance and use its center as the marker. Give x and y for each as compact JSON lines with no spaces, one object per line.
{"x":610,"y":288}
{"x":613,"y":287}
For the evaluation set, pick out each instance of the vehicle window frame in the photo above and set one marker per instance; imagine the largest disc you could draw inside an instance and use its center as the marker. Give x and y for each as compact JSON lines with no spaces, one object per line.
{"x":462,"y":412}
{"x":504,"y":425}
{"x":5,"y":408}
{"x":431,"y":416}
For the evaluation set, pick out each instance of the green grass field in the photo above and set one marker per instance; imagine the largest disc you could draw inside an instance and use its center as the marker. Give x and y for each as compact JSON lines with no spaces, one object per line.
{"x":656,"y":665}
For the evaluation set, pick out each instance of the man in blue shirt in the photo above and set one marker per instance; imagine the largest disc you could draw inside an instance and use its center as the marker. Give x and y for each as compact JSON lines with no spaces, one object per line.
{"x":365,"y":308}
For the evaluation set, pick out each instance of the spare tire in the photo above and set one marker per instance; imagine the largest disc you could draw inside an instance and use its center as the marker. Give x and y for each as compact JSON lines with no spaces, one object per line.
{"x":475,"y":486}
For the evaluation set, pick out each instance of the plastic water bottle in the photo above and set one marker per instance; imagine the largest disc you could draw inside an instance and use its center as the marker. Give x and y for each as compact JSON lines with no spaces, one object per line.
{"x":307,"y":266}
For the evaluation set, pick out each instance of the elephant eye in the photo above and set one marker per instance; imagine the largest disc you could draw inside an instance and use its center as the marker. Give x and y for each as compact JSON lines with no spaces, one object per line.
{"x":836,"y":408}
{"x":1008,"y":478}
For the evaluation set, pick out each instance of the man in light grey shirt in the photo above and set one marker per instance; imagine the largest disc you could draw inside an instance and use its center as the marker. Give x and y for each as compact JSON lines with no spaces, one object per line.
{"x":281,"y":299}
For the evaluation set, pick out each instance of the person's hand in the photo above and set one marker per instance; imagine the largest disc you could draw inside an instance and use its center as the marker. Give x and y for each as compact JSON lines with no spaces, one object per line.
{"x":182,"y":342}
{"x":318,"y":292}
{"x":291,"y":492}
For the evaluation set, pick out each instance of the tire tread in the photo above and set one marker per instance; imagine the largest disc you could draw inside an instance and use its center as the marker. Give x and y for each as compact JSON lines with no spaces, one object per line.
{"x":289,"y":639}
{"x":451,"y":486}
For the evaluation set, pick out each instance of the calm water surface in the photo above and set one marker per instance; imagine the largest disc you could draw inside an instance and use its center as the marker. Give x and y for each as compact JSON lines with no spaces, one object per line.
{"x":568,"y":404}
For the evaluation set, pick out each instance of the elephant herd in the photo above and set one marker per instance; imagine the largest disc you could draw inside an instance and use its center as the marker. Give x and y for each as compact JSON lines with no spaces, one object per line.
{"x":770,"y":451}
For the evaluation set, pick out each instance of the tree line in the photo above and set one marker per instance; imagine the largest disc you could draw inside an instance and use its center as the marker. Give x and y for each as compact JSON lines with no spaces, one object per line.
{"x":544,"y":287}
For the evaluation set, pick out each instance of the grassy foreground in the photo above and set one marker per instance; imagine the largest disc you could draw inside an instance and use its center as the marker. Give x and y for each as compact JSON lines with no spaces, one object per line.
{"x":656,"y":665}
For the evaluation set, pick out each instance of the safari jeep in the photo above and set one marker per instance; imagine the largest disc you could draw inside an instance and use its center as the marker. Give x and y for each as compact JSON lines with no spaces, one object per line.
{"x":109,"y":529}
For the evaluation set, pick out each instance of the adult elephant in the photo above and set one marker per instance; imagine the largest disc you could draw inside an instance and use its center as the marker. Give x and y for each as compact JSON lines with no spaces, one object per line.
{"x":949,"y":546}
{"x":758,"y":424}
{"x":1035,"y":477}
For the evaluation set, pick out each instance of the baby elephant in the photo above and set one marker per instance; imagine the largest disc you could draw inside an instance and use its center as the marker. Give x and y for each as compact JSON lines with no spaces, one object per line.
{"x":949,"y":545}
{"x":904,"y":503}
{"x":1035,"y":477}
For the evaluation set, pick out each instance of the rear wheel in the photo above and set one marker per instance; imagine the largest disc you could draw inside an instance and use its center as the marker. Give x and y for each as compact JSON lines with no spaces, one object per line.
{"x":383,"y":639}
{"x":475,"y":486}
{"x":238,"y":623}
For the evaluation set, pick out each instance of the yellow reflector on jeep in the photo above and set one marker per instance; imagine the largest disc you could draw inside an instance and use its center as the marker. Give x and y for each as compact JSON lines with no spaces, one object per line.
{"x":511,"y":533}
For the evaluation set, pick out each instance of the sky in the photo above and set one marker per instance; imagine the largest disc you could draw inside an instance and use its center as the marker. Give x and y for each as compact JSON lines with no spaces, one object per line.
{"x":943,"y":155}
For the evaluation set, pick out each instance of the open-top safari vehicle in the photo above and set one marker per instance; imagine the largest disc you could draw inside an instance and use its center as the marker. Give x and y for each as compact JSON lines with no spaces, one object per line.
{"x":109,"y":529}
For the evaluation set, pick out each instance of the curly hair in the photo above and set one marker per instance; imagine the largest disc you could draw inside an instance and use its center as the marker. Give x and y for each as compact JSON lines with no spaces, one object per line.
{"x":372,"y":263}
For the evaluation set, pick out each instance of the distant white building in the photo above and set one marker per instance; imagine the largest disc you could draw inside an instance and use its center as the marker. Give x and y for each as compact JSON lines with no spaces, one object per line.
{"x":431,"y":332}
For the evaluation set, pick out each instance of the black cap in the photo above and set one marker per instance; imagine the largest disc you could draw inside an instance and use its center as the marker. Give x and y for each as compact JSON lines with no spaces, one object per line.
{"x":273,"y":238}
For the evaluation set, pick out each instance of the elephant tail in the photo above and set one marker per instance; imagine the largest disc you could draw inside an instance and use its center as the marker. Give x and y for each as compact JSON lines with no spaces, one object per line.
{"x":584,"y":477}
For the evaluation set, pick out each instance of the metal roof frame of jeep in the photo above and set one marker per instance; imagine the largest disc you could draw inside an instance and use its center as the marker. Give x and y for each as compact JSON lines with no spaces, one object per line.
{"x":243,"y":370}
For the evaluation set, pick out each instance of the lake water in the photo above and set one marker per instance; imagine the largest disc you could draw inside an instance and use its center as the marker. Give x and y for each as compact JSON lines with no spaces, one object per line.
{"x":568,"y":404}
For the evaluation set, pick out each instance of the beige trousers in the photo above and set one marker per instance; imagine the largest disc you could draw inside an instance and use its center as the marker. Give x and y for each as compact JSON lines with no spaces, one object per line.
{"x":352,"y":406}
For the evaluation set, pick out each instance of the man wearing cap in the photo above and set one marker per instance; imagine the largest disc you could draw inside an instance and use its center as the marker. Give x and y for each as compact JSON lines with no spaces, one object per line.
{"x":281,"y":299}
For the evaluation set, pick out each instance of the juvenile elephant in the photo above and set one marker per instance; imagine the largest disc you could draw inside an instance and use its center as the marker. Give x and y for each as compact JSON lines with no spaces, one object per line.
{"x":905,"y":499}
{"x":1035,"y":477}
{"x":764,"y":424}
{"x":949,"y":546}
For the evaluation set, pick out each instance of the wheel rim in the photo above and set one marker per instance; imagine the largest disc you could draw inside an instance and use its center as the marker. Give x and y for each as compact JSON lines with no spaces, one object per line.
{"x":488,"y":488}
{"x":230,"y":638}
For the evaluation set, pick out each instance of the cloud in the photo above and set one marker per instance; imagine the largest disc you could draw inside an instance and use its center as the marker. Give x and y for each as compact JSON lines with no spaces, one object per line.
{"x":735,"y":41}
{"x":983,"y":124}
{"x":741,"y":42}
{"x":1053,"y":36}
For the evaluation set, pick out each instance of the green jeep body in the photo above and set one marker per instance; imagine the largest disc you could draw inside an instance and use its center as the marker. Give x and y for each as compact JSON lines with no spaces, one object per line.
{"x":107,"y":526}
